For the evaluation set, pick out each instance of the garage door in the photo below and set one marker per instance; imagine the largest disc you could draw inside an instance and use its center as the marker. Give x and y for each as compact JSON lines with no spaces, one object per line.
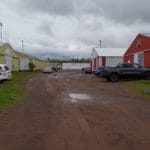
{"x":113,"y":61}
{"x":136,"y":58}
{"x":24,"y":64}
{"x":8,"y":61}
{"x":139,"y":58}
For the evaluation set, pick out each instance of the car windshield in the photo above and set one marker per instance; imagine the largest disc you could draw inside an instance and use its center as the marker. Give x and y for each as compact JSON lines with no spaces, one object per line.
{"x":6,"y":68}
{"x":136,"y":66}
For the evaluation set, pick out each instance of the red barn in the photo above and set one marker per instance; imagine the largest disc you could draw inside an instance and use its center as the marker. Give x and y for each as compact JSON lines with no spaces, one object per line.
{"x":139,"y":50}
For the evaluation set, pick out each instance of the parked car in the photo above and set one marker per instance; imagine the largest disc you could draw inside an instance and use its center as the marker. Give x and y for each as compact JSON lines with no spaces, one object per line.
{"x":47,"y":70}
{"x":87,"y":70}
{"x":5,"y":72}
{"x":125,"y":71}
{"x":98,"y":71}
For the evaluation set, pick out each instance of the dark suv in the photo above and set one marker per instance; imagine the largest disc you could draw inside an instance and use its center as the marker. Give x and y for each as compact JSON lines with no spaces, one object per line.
{"x":125,"y":70}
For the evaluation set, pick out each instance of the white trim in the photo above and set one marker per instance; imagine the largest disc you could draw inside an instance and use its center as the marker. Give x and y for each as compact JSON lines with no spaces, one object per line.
{"x":138,"y":52}
{"x":129,"y":55}
{"x":146,"y":50}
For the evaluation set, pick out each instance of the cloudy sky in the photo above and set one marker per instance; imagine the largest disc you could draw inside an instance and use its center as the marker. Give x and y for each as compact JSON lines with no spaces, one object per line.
{"x":72,"y":28}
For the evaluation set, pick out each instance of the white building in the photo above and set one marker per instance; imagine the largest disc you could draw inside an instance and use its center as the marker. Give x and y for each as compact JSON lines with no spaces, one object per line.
{"x":108,"y":57}
{"x":74,"y":66}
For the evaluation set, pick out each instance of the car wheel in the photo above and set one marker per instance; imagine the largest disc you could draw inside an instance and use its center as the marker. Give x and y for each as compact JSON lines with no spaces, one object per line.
{"x":147,"y":75}
{"x":113,"y":77}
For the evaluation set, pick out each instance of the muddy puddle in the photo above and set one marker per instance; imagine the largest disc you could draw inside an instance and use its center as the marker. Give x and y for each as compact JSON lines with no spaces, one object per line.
{"x":75,"y":97}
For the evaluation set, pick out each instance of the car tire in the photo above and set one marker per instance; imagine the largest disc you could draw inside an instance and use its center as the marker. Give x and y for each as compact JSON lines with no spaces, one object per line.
{"x":113,"y":77}
{"x":147,"y":76}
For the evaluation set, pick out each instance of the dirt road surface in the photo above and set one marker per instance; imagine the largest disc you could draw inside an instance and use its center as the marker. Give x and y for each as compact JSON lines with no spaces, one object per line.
{"x":71,"y":111}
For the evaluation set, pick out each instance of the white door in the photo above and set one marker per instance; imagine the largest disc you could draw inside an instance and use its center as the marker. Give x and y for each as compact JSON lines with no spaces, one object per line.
{"x":8,"y":61}
{"x":21,"y":64}
{"x":141,"y":59}
{"x":24,"y":64}
{"x":113,"y":61}
{"x":136,"y":58}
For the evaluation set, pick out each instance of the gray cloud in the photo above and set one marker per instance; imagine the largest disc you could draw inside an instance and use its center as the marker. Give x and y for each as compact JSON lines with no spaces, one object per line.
{"x":128,"y":11}
{"x":73,"y":27}
{"x":53,"y":7}
{"x":46,"y":28}
{"x":123,"y":11}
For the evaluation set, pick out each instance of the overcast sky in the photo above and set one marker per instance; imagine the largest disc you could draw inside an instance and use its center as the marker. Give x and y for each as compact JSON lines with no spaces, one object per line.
{"x":72,"y":27}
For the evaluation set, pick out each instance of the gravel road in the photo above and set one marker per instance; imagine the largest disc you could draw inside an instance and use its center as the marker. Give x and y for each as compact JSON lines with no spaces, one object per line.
{"x":71,"y":111}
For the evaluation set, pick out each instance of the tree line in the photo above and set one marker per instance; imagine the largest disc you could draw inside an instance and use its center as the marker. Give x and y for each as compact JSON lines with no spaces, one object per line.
{"x":73,"y":60}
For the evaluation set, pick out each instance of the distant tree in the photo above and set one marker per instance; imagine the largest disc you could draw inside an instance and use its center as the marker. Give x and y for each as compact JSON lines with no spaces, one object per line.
{"x":73,"y":60}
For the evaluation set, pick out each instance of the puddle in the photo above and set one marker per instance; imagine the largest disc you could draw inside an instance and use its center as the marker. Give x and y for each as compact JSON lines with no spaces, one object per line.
{"x":73,"y":100}
{"x":76,"y":97}
{"x":55,"y":77}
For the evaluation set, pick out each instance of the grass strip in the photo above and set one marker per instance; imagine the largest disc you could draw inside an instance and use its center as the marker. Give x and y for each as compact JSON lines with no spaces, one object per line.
{"x":138,"y":86}
{"x":13,"y":91}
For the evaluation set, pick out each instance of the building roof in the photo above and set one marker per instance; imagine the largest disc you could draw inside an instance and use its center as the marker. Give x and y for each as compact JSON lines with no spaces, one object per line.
{"x":110,"y":51}
{"x":146,"y":34}
{"x":19,"y":54}
{"x":2,"y":44}
{"x":40,"y":59}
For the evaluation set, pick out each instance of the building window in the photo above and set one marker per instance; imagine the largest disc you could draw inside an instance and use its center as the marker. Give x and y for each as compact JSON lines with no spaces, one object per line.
{"x":138,"y":44}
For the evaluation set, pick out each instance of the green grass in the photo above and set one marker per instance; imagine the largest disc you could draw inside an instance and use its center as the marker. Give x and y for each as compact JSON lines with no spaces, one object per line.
{"x":12,"y":92}
{"x":138,"y":86}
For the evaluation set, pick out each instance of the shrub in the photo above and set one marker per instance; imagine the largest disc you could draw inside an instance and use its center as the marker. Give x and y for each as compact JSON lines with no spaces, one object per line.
{"x":31,"y":66}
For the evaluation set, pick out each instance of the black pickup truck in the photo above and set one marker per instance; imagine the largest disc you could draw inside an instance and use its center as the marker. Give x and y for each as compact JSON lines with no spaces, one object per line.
{"x":125,"y":71}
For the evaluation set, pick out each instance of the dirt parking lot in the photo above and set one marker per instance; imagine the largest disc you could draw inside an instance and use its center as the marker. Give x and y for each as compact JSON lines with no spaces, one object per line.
{"x":71,"y":111}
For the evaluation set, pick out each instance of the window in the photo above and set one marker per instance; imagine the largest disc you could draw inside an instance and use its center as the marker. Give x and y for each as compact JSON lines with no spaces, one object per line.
{"x":136,"y":66}
{"x":6,"y":68}
{"x":127,"y":66}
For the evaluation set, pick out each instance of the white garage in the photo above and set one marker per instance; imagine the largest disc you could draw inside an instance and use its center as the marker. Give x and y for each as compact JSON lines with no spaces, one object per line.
{"x":75,"y":66}
{"x":108,"y":57}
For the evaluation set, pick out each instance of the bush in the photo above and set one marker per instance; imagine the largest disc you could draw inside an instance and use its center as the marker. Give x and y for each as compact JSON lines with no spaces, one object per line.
{"x":31,"y":66}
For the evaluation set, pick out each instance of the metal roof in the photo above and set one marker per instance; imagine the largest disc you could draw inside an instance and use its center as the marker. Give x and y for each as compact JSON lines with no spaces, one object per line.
{"x":2,"y":44}
{"x":146,"y":34}
{"x":110,"y":51}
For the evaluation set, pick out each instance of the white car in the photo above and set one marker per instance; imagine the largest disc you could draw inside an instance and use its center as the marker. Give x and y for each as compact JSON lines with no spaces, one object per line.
{"x":47,"y":70}
{"x":5,"y":72}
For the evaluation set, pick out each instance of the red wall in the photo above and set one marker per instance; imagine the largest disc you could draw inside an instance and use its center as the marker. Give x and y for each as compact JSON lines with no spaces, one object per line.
{"x":147,"y":58}
{"x":129,"y":58}
{"x":145,"y":45}
{"x":94,"y":63}
{"x":103,"y":61}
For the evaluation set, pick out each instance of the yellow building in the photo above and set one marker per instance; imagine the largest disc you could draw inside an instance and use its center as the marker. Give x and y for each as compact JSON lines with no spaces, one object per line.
{"x":19,"y":61}
{"x":24,"y":60}
{"x":8,"y":57}
{"x":40,"y":64}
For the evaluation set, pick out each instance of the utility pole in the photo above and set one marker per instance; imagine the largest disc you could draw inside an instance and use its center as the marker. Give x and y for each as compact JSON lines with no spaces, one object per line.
{"x":100,"y":42}
{"x":1,"y":26}
{"x":22,"y":45}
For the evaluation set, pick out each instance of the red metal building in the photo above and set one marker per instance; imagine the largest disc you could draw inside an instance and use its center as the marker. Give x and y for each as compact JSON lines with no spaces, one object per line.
{"x":139,"y":50}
